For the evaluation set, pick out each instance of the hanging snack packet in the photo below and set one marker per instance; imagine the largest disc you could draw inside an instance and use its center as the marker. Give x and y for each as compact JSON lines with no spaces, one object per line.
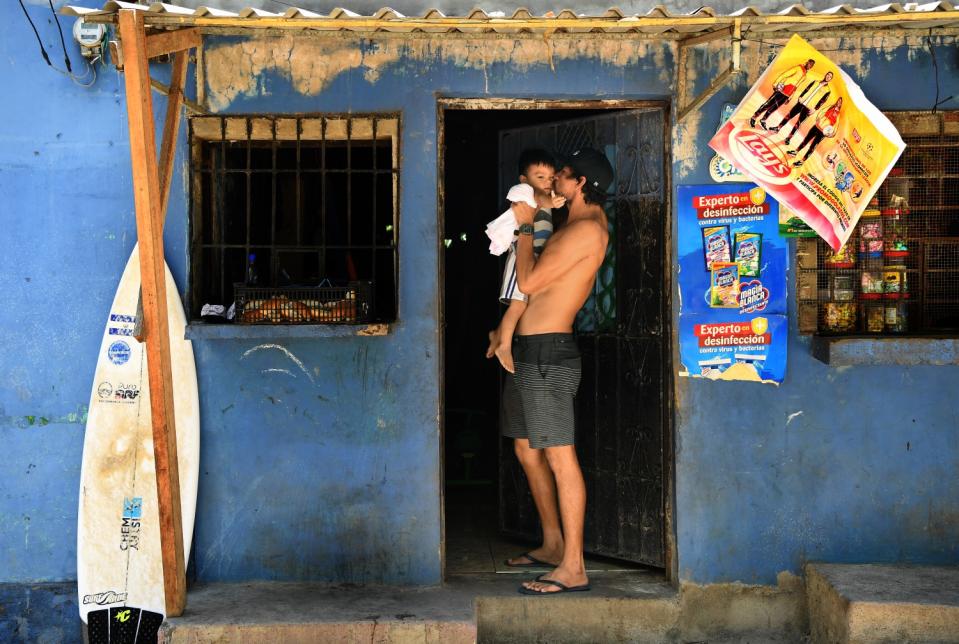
{"x":748,"y":253}
{"x":724,"y":285}
{"x":716,"y":245}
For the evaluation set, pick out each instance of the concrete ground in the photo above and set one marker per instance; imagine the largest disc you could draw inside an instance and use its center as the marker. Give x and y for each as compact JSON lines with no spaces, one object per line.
{"x":883,"y":603}
{"x":634,"y":606}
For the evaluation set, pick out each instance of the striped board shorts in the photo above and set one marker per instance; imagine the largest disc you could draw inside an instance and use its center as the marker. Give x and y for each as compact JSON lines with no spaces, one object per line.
{"x":538,"y":398}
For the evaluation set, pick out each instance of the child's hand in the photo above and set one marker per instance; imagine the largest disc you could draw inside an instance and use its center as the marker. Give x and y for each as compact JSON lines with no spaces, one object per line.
{"x":523,"y":212}
{"x":557,"y":201}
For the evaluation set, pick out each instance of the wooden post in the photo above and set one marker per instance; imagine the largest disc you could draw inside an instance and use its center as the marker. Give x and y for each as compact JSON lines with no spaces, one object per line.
{"x":147,"y":199}
{"x":171,"y":128}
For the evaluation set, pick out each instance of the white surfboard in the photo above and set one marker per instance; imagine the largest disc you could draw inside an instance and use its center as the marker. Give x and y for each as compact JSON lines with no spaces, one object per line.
{"x":119,"y":569}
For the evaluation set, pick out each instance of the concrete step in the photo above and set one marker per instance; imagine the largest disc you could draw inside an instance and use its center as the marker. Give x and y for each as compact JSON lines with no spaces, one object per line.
{"x":634,"y":606}
{"x":306,"y":613}
{"x":639,"y":606}
{"x":876,"y":603}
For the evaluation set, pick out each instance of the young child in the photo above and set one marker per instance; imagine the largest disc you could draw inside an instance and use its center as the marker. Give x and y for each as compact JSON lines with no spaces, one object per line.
{"x":536,"y":168}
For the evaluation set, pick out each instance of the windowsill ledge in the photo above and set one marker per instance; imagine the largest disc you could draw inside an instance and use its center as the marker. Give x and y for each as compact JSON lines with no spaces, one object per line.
{"x":871,"y":350}
{"x":203,"y":331}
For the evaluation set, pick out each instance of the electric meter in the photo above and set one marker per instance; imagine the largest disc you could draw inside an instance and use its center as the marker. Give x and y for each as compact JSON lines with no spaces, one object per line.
{"x":90,"y":36}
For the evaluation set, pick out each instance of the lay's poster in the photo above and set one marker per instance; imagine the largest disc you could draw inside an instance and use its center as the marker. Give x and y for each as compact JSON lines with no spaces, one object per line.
{"x":806,"y":133}
{"x":732,"y":283}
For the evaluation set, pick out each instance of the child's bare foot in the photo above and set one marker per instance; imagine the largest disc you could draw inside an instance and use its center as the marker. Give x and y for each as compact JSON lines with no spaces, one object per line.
{"x":504,"y":353}
{"x":493,"y":343}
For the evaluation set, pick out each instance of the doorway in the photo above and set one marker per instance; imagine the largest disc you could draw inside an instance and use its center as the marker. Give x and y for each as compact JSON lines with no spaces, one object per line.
{"x":623,"y":417}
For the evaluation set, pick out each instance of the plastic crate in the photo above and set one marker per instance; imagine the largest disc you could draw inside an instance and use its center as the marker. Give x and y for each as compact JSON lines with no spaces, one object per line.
{"x":348,"y":304}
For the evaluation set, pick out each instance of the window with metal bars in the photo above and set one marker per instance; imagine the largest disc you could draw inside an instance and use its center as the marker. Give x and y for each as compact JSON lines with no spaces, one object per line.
{"x":899,"y":271}
{"x":295,"y":217}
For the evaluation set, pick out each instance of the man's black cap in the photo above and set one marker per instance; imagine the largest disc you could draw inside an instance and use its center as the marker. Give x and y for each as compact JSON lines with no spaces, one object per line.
{"x":592,"y":164}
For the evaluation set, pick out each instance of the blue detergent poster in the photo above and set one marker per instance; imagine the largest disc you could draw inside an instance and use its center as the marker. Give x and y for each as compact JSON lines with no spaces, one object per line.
{"x":732,"y":283}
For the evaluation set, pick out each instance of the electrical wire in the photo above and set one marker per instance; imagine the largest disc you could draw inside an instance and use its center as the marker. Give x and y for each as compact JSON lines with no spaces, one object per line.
{"x":66,"y":56}
{"x":935,"y":67}
{"x":43,"y":51}
{"x":929,"y":46}
{"x":91,"y":72}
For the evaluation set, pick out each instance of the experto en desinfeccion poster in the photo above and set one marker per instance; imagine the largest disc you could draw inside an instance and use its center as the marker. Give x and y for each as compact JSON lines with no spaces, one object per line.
{"x":732,"y":284}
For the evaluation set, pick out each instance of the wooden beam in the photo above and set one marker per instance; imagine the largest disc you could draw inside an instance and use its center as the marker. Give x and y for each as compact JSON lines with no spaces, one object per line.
{"x":917,"y":19}
{"x":171,"y":127}
{"x":708,"y":93}
{"x":171,"y":42}
{"x":146,"y":194}
{"x":193,"y":106}
{"x":709,"y":36}
{"x":735,"y":35}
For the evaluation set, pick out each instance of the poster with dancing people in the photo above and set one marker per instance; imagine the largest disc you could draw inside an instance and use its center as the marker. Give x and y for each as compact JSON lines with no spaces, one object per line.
{"x":807,"y":134}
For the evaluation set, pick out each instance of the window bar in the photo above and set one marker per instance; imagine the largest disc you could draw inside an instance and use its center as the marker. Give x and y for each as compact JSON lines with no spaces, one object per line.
{"x":195,"y":248}
{"x":299,"y":206}
{"x":321,"y":256}
{"x":221,"y":182}
{"x":274,"y":260}
{"x":249,"y":191}
{"x":349,"y":183}
{"x":375,"y":176}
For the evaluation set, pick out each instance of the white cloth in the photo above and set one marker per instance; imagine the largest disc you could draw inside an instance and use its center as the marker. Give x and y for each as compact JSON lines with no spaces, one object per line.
{"x":500,"y":230}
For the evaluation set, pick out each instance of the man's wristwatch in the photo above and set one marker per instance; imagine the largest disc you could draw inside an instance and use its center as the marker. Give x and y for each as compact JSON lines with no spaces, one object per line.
{"x":524,"y":229}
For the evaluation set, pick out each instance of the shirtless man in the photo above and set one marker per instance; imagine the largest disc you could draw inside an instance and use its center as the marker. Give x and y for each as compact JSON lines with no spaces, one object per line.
{"x":538,"y":397}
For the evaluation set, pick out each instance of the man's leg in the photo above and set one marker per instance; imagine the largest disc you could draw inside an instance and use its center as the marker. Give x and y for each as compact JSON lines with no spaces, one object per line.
{"x":762,"y":108}
{"x":803,"y":113}
{"x":782,"y":122}
{"x":543,"y":487}
{"x":778,"y":100}
{"x":812,"y":139}
{"x":572,"y":508}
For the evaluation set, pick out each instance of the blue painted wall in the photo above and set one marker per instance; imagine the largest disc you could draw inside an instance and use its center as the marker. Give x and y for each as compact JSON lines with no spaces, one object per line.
{"x":849,"y":464}
{"x":334,"y":474}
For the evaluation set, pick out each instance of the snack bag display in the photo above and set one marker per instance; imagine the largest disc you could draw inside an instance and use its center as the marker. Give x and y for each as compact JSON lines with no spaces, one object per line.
{"x":716,"y":245}
{"x":724,"y":285}
{"x":749,"y":253}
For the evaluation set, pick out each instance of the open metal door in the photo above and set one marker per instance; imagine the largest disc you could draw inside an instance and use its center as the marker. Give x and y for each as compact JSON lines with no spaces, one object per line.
{"x":622,"y":406}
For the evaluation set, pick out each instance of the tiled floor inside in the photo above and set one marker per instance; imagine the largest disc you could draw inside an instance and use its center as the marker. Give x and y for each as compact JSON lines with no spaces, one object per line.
{"x":474,"y":545}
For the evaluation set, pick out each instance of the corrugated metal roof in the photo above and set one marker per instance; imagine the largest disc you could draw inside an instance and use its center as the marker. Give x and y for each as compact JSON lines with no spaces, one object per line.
{"x":658,"y":21}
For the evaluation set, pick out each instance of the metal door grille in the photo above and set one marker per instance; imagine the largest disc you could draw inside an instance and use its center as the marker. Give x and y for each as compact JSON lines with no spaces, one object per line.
{"x":313,"y":198}
{"x":899,"y":271}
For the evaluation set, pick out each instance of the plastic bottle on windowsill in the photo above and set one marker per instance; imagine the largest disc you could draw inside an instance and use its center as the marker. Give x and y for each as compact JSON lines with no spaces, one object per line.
{"x":251,"y":276}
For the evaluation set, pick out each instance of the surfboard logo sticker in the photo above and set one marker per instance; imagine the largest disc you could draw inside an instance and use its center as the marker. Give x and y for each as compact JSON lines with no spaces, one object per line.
{"x":104,"y":598}
{"x":133,"y":508}
{"x":119,"y":352}
{"x":121,"y":324}
{"x":130,"y":523}
{"x":126,"y":394}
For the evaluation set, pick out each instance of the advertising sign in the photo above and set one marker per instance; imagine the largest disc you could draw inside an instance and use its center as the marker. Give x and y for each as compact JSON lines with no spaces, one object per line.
{"x":806,"y":133}
{"x":732,"y":283}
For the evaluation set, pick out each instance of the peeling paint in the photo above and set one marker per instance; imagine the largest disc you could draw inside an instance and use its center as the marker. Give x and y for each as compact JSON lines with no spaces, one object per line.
{"x":312,"y":63}
{"x":78,"y":417}
{"x":284,"y":351}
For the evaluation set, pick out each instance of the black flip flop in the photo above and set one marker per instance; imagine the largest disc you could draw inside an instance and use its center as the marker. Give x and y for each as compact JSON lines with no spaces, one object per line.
{"x":563,"y":588}
{"x":534,"y":562}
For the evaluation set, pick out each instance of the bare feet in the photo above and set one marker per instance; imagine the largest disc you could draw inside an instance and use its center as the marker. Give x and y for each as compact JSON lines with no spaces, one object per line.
{"x":504,"y":353}
{"x":569,"y":577}
{"x":493,"y":343}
